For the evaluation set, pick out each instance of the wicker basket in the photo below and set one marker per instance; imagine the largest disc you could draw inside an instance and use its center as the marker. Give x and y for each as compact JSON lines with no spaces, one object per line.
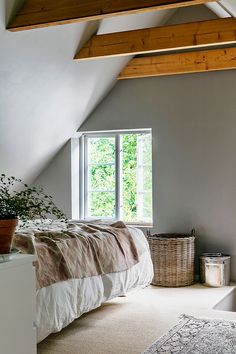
{"x":173,"y":259}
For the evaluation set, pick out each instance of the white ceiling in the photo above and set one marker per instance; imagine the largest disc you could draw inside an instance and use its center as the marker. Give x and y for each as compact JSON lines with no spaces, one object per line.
{"x":229,"y":6}
{"x":44,"y":95}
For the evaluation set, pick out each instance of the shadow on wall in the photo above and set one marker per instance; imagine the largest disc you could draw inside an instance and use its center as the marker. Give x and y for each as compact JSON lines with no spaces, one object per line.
{"x":206,"y":242}
{"x":90,"y":29}
{"x":11,"y":8}
{"x":119,"y":64}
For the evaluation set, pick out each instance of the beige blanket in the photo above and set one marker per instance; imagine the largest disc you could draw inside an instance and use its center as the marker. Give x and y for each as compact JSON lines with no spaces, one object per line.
{"x":79,"y":251}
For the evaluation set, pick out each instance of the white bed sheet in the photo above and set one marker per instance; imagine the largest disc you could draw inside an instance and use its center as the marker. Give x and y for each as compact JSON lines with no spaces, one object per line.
{"x":60,"y":304}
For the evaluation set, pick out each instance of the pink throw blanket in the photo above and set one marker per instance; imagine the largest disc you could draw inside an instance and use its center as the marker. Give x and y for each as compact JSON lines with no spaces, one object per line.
{"x":79,"y":251}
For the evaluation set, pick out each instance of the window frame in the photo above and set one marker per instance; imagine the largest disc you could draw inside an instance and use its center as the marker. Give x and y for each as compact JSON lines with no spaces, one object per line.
{"x":84,"y":166}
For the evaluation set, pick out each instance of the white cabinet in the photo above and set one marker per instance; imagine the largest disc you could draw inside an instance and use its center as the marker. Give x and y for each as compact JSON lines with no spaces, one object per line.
{"x":17,"y":306}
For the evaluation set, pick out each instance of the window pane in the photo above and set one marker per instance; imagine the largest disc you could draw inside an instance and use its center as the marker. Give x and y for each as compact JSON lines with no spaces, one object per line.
{"x":101,"y":150}
{"x":137,"y":177}
{"x":144,"y":178}
{"x":146,"y":141}
{"x":147,"y":178}
{"x":102,"y":177}
{"x":133,"y":177}
{"x":147,"y":206}
{"x":129,"y":176}
{"x":101,"y":204}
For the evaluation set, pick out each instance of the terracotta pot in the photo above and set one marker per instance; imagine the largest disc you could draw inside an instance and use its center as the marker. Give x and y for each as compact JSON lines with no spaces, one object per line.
{"x":7,"y":231}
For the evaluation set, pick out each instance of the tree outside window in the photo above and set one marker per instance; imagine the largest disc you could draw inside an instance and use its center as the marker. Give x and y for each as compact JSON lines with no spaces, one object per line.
{"x":118,"y":176}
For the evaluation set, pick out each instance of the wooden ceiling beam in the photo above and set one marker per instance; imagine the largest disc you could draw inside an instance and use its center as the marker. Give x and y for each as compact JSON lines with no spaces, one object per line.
{"x":44,"y":13}
{"x":181,"y":63}
{"x":159,"y":39}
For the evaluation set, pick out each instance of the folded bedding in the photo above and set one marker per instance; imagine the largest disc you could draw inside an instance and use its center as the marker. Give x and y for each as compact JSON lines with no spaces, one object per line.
{"x":78,"y":250}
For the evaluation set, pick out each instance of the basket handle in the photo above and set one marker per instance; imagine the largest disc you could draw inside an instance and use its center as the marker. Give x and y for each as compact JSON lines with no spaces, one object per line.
{"x":193,"y":233}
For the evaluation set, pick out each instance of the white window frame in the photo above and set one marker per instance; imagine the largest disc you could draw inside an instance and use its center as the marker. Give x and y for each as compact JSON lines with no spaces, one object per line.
{"x":83,"y":185}
{"x":140,"y":178}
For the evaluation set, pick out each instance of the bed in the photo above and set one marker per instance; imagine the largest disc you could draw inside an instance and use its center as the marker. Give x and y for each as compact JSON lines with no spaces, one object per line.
{"x":60,"y":303}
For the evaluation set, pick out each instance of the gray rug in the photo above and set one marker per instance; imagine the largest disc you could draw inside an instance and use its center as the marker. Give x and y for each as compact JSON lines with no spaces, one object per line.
{"x":197,"y":336}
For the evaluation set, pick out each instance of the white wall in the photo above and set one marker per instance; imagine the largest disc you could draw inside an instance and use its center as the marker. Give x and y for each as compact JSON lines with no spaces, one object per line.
{"x":193,"y":118}
{"x":44,"y":94}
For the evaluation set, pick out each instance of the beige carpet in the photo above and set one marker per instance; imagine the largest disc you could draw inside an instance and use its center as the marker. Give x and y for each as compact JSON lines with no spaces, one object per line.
{"x":127,"y":325}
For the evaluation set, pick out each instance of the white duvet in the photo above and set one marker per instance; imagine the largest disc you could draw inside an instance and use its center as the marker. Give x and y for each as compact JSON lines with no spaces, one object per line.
{"x":60,"y":304}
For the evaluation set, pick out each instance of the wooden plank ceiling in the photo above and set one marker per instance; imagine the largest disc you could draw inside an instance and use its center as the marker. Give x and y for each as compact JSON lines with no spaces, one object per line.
{"x":180,"y":63}
{"x":44,"y":13}
{"x":153,"y":40}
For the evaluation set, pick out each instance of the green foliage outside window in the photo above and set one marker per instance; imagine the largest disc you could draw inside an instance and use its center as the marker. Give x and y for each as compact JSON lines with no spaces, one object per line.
{"x":129,"y":167}
{"x":102,"y":180}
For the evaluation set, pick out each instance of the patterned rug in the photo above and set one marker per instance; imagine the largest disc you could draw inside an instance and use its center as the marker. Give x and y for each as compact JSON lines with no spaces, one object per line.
{"x":197,"y":336}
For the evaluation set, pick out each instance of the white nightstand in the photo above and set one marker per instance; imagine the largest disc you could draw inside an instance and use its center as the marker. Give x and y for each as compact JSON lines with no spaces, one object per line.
{"x":17,"y":306}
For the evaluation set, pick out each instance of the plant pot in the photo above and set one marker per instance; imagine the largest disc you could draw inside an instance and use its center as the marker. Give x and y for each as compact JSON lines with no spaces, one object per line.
{"x":7,"y":231}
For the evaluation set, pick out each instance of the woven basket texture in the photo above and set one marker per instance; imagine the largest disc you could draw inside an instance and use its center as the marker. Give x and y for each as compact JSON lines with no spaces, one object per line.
{"x":173,"y":259}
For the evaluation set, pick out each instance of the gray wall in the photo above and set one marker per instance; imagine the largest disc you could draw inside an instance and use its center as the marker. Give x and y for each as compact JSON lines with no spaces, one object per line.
{"x":194,"y":143}
{"x":193,"y":118}
{"x":55,"y":185}
{"x":56,"y":179}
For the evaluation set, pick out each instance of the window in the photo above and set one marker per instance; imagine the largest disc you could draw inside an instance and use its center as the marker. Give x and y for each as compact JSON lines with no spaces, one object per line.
{"x":117,"y":176}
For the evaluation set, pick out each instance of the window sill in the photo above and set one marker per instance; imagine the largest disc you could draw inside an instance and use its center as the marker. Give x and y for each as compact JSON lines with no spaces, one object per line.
{"x":141,"y":225}
{"x":107,"y":221}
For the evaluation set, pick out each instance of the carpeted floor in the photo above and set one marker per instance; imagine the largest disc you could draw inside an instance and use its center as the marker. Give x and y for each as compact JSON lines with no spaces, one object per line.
{"x":128,"y":325}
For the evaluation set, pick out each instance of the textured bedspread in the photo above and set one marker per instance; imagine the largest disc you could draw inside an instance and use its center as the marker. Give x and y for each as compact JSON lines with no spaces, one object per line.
{"x":78,"y":251}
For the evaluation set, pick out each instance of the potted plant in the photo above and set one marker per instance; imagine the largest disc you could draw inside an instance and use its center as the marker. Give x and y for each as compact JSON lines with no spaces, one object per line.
{"x":18,"y":201}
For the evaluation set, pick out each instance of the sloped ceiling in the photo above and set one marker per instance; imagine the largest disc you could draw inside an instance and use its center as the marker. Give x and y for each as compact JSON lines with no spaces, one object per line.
{"x":229,"y":6}
{"x":44,"y":95}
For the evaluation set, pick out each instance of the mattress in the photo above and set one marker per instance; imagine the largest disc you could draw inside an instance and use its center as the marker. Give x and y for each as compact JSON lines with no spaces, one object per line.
{"x":60,"y":304}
